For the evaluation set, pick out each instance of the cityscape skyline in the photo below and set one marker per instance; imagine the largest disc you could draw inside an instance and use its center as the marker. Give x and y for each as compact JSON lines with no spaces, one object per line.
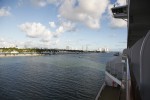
{"x":61,"y":23}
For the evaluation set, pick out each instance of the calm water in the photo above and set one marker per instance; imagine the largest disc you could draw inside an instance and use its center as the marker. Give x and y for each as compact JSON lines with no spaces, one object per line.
{"x":55,"y":77}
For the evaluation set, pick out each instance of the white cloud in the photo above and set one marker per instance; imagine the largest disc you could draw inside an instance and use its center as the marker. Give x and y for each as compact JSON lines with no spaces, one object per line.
{"x":20,"y":3}
{"x":88,"y":13}
{"x":121,"y":2}
{"x":46,"y":39}
{"x":11,"y":43}
{"x":68,"y":26}
{"x":57,"y":41}
{"x":116,"y":23}
{"x":57,"y":2}
{"x":78,"y":11}
{"x":40,"y":3}
{"x":28,"y":43}
{"x":1,"y":39}
{"x":83,"y":12}
{"x":35,"y":30}
{"x":65,"y":26}
{"x":32,"y":44}
{"x":4,"y":11}
{"x":52,"y":24}
{"x":43,"y":3}
{"x":6,"y":43}
{"x":60,"y":30}
{"x":35,"y":44}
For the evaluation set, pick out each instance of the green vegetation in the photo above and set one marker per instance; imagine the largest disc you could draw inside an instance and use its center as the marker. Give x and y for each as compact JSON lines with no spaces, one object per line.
{"x":42,"y":51}
{"x":33,"y":50}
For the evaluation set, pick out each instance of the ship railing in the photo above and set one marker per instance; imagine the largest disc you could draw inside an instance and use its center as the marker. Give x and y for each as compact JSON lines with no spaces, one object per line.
{"x":119,"y":68}
{"x":128,"y":81}
{"x":115,"y":68}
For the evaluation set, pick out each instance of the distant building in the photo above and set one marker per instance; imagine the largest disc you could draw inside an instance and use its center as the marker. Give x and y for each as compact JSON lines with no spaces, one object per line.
{"x":106,"y":50}
{"x":103,"y":50}
{"x":99,"y":49}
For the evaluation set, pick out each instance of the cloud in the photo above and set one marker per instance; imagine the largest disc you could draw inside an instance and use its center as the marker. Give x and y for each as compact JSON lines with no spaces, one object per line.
{"x":35,"y":30}
{"x":56,"y":2}
{"x":121,"y":2}
{"x":83,"y":12}
{"x":4,"y":11}
{"x":20,"y":44}
{"x":116,"y":23}
{"x":55,"y":42}
{"x":46,"y":39}
{"x":6,"y":43}
{"x":40,"y":3}
{"x":78,"y":11}
{"x":20,"y":3}
{"x":52,"y":24}
{"x":68,"y":26}
{"x":43,"y":3}
{"x":60,"y":30}
{"x":1,"y":39}
{"x":88,"y":13}
{"x":11,"y":43}
{"x":33,"y":44}
{"x":65,"y":26}
{"x":28,"y":43}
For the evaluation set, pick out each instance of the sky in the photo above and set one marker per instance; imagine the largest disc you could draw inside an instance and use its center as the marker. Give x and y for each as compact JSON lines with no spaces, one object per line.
{"x":60,"y":23}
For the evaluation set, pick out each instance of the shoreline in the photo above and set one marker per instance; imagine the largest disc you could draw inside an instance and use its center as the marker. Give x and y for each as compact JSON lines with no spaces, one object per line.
{"x":34,"y":54}
{"x":19,"y":55}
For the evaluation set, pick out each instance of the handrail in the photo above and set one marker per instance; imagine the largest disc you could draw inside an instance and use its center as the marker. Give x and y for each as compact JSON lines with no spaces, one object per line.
{"x":128,"y":81}
{"x":98,"y":95}
{"x":113,"y":78}
{"x":115,"y":69}
{"x":125,"y":82}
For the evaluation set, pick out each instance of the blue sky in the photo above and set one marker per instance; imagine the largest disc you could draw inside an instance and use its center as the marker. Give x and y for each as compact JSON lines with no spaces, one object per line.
{"x":61,"y":23}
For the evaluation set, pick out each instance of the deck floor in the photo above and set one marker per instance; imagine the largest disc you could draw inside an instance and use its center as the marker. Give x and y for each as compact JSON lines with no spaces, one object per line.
{"x":110,"y":93}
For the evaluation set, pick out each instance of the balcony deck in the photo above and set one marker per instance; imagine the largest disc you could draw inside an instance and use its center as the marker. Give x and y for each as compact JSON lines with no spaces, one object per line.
{"x":110,"y":93}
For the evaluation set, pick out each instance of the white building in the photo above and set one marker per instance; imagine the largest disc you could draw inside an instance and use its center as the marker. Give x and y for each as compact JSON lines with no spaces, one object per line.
{"x":103,"y":49}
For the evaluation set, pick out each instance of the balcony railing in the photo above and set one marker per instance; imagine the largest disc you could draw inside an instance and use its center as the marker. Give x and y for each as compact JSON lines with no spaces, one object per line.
{"x":120,"y":12}
{"x":116,"y":68}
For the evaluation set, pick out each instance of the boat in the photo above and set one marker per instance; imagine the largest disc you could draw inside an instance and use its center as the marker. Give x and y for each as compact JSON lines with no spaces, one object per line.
{"x":127,"y":76}
{"x":116,"y":54}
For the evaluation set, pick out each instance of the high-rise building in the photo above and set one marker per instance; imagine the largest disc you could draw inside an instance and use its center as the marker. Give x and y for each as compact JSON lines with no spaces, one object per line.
{"x":103,"y":49}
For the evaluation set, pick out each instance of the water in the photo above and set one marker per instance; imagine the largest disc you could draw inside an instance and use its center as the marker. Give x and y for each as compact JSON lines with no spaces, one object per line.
{"x":55,"y":77}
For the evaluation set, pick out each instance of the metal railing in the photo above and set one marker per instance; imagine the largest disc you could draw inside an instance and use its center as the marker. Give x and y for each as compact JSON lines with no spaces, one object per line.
{"x":128,"y":81}
{"x":115,"y":68}
{"x":120,"y":70}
